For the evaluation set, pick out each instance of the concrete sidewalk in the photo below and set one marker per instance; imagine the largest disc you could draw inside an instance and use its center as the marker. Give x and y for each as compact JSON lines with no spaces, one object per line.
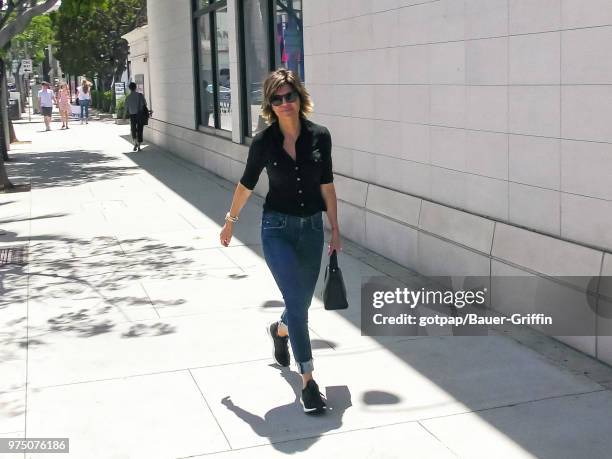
{"x":133,"y":333}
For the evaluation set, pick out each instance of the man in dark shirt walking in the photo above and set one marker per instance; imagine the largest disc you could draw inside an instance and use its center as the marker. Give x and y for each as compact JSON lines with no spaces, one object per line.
{"x":136,"y":105}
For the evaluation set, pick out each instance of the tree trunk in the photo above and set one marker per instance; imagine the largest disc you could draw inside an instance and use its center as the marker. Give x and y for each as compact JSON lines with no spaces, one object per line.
{"x":5,"y":183}
{"x":12,"y":135}
{"x":3,"y":115}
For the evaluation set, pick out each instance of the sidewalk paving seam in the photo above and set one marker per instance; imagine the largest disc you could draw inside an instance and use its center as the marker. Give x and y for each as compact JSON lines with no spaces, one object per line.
{"x":511,"y":405}
{"x":437,"y":439}
{"x":210,"y":410}
{"x":193,"y":227}
{"x":322,"y":338}
{"x":326,"y":434}
{"x":230,"y":259}
{"x":141,"y":285}
{"x":139,"y":375}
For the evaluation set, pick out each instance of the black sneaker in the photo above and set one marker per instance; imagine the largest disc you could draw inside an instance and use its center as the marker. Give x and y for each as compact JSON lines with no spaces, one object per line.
{"x":312,"y":400}
{"x":280,"y":346}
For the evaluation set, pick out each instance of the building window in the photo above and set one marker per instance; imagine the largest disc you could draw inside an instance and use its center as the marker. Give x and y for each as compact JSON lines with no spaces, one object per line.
{"x":213,"y":74}
{"x":257,"y":63}
{"x":272,"y":38}
{"x":289,"y":47}
{"x":205,"y":73}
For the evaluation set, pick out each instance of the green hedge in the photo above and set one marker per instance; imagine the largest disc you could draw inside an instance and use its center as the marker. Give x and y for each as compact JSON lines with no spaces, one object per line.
{"x":102,"y":100}
{"x":121,"y":111}
{"x":107,"y":100}
{"x":95,"y":98}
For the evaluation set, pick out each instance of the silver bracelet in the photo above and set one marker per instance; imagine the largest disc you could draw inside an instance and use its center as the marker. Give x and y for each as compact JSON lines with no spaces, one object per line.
{"x":229,"y":218}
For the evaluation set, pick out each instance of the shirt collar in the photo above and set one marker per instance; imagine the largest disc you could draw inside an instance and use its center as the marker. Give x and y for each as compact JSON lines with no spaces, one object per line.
{"x":304,"y":129}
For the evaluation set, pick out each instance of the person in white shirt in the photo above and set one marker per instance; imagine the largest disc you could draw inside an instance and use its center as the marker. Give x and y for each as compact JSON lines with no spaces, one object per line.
{"x":47,"y":99}
{"x":84,"y":96}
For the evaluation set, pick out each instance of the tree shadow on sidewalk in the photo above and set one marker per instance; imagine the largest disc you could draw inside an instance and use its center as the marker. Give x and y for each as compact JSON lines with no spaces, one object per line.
{"x":65,"y":168}
{"x":84,"y":287}
{"x":286,"y":427}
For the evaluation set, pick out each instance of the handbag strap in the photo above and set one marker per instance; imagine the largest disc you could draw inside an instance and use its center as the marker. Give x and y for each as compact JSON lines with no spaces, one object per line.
{"x":333,"y":261}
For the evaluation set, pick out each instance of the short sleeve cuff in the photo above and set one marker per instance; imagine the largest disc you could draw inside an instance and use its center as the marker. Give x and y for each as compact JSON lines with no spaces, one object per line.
{"x":247,"y":183}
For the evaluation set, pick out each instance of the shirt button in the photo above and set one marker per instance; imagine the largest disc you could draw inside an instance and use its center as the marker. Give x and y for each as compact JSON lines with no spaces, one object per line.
{"x":298,"y":179}
{"x":296,"y":168}
{"x":300,"y":191}
{"x":302,"y":204}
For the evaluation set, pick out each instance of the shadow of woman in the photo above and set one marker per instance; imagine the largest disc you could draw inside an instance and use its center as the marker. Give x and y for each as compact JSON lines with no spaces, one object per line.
{"x":288,"y":422}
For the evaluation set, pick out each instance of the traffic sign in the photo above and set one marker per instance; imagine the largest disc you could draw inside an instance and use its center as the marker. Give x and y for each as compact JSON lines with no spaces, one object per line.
{"x":119,"y":89}
{"x":26,"y":65}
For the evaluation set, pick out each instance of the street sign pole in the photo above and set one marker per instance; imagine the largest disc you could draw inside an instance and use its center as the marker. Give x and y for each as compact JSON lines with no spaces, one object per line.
{"x":30,"y":99}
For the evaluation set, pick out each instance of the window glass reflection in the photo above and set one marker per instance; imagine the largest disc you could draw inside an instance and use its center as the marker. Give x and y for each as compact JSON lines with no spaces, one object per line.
{"x":205,"y":72}
{"x":289,"y":43}
{"x":224,"y":80}
{"x":257,"y":60}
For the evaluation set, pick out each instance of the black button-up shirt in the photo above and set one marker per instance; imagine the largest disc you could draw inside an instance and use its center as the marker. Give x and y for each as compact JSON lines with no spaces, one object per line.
{"x":295,"y":186}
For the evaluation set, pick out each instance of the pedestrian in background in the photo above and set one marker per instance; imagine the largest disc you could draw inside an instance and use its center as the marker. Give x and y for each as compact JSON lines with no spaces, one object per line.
{"x":46,"y":99}
{"x":297,"y":156}
{"x":63,"y":102}
{"x":136,"y":105}
{"x":84,"y":96}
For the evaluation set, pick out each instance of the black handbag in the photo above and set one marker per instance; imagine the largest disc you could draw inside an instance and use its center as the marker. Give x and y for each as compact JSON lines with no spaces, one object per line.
{"x":143,"y":113}
{"x":334,"y":290}
{"x":145,"y":116}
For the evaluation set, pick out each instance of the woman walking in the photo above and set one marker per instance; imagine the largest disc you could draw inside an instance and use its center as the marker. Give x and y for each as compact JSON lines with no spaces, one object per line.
{"x":84,"y":96}
{"x":297,"y":156}
{"x":63,"y":102}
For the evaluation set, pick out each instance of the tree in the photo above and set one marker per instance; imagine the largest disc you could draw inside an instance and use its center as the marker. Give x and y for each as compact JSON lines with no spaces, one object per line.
{"x":15,"y":15}
{"x":32,"y":43}
{"x":89,"y":41}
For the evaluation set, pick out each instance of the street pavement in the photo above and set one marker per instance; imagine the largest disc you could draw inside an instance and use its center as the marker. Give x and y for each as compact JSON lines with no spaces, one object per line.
{"x":133,"y":333}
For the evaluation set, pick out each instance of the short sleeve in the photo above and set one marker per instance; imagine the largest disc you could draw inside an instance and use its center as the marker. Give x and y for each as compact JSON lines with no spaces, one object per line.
{"x":327,"y":175}
{"x":254,"y":166}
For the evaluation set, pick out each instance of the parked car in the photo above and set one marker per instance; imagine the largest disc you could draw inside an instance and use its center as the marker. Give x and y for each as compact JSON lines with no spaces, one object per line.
{"x":256,"y":93}
{"x":225,"y":96}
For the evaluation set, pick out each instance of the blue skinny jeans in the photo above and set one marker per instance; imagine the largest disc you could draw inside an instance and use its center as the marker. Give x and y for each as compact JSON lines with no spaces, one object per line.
{"x":84,"y":104}
{"x":293,"y":248}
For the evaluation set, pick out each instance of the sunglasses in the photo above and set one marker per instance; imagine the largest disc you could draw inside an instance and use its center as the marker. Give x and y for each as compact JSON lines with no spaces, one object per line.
{"x":278,"y":99}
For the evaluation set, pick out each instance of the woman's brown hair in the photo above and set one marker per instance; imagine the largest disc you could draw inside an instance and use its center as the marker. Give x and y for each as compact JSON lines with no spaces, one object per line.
{"x":85,"y":86}
{"x":275,"y":80}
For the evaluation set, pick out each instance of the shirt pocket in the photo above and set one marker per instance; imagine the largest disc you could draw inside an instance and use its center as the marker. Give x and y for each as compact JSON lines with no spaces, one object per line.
{"x":316,"y":156}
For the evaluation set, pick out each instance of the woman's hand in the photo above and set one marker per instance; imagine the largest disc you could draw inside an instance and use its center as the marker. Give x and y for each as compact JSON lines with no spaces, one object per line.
{"x":226,"y":233}
{"x":334,"y":243}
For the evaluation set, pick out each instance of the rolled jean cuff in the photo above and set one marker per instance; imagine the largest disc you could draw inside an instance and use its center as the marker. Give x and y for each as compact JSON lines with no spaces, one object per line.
{"x":305,"y":367}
